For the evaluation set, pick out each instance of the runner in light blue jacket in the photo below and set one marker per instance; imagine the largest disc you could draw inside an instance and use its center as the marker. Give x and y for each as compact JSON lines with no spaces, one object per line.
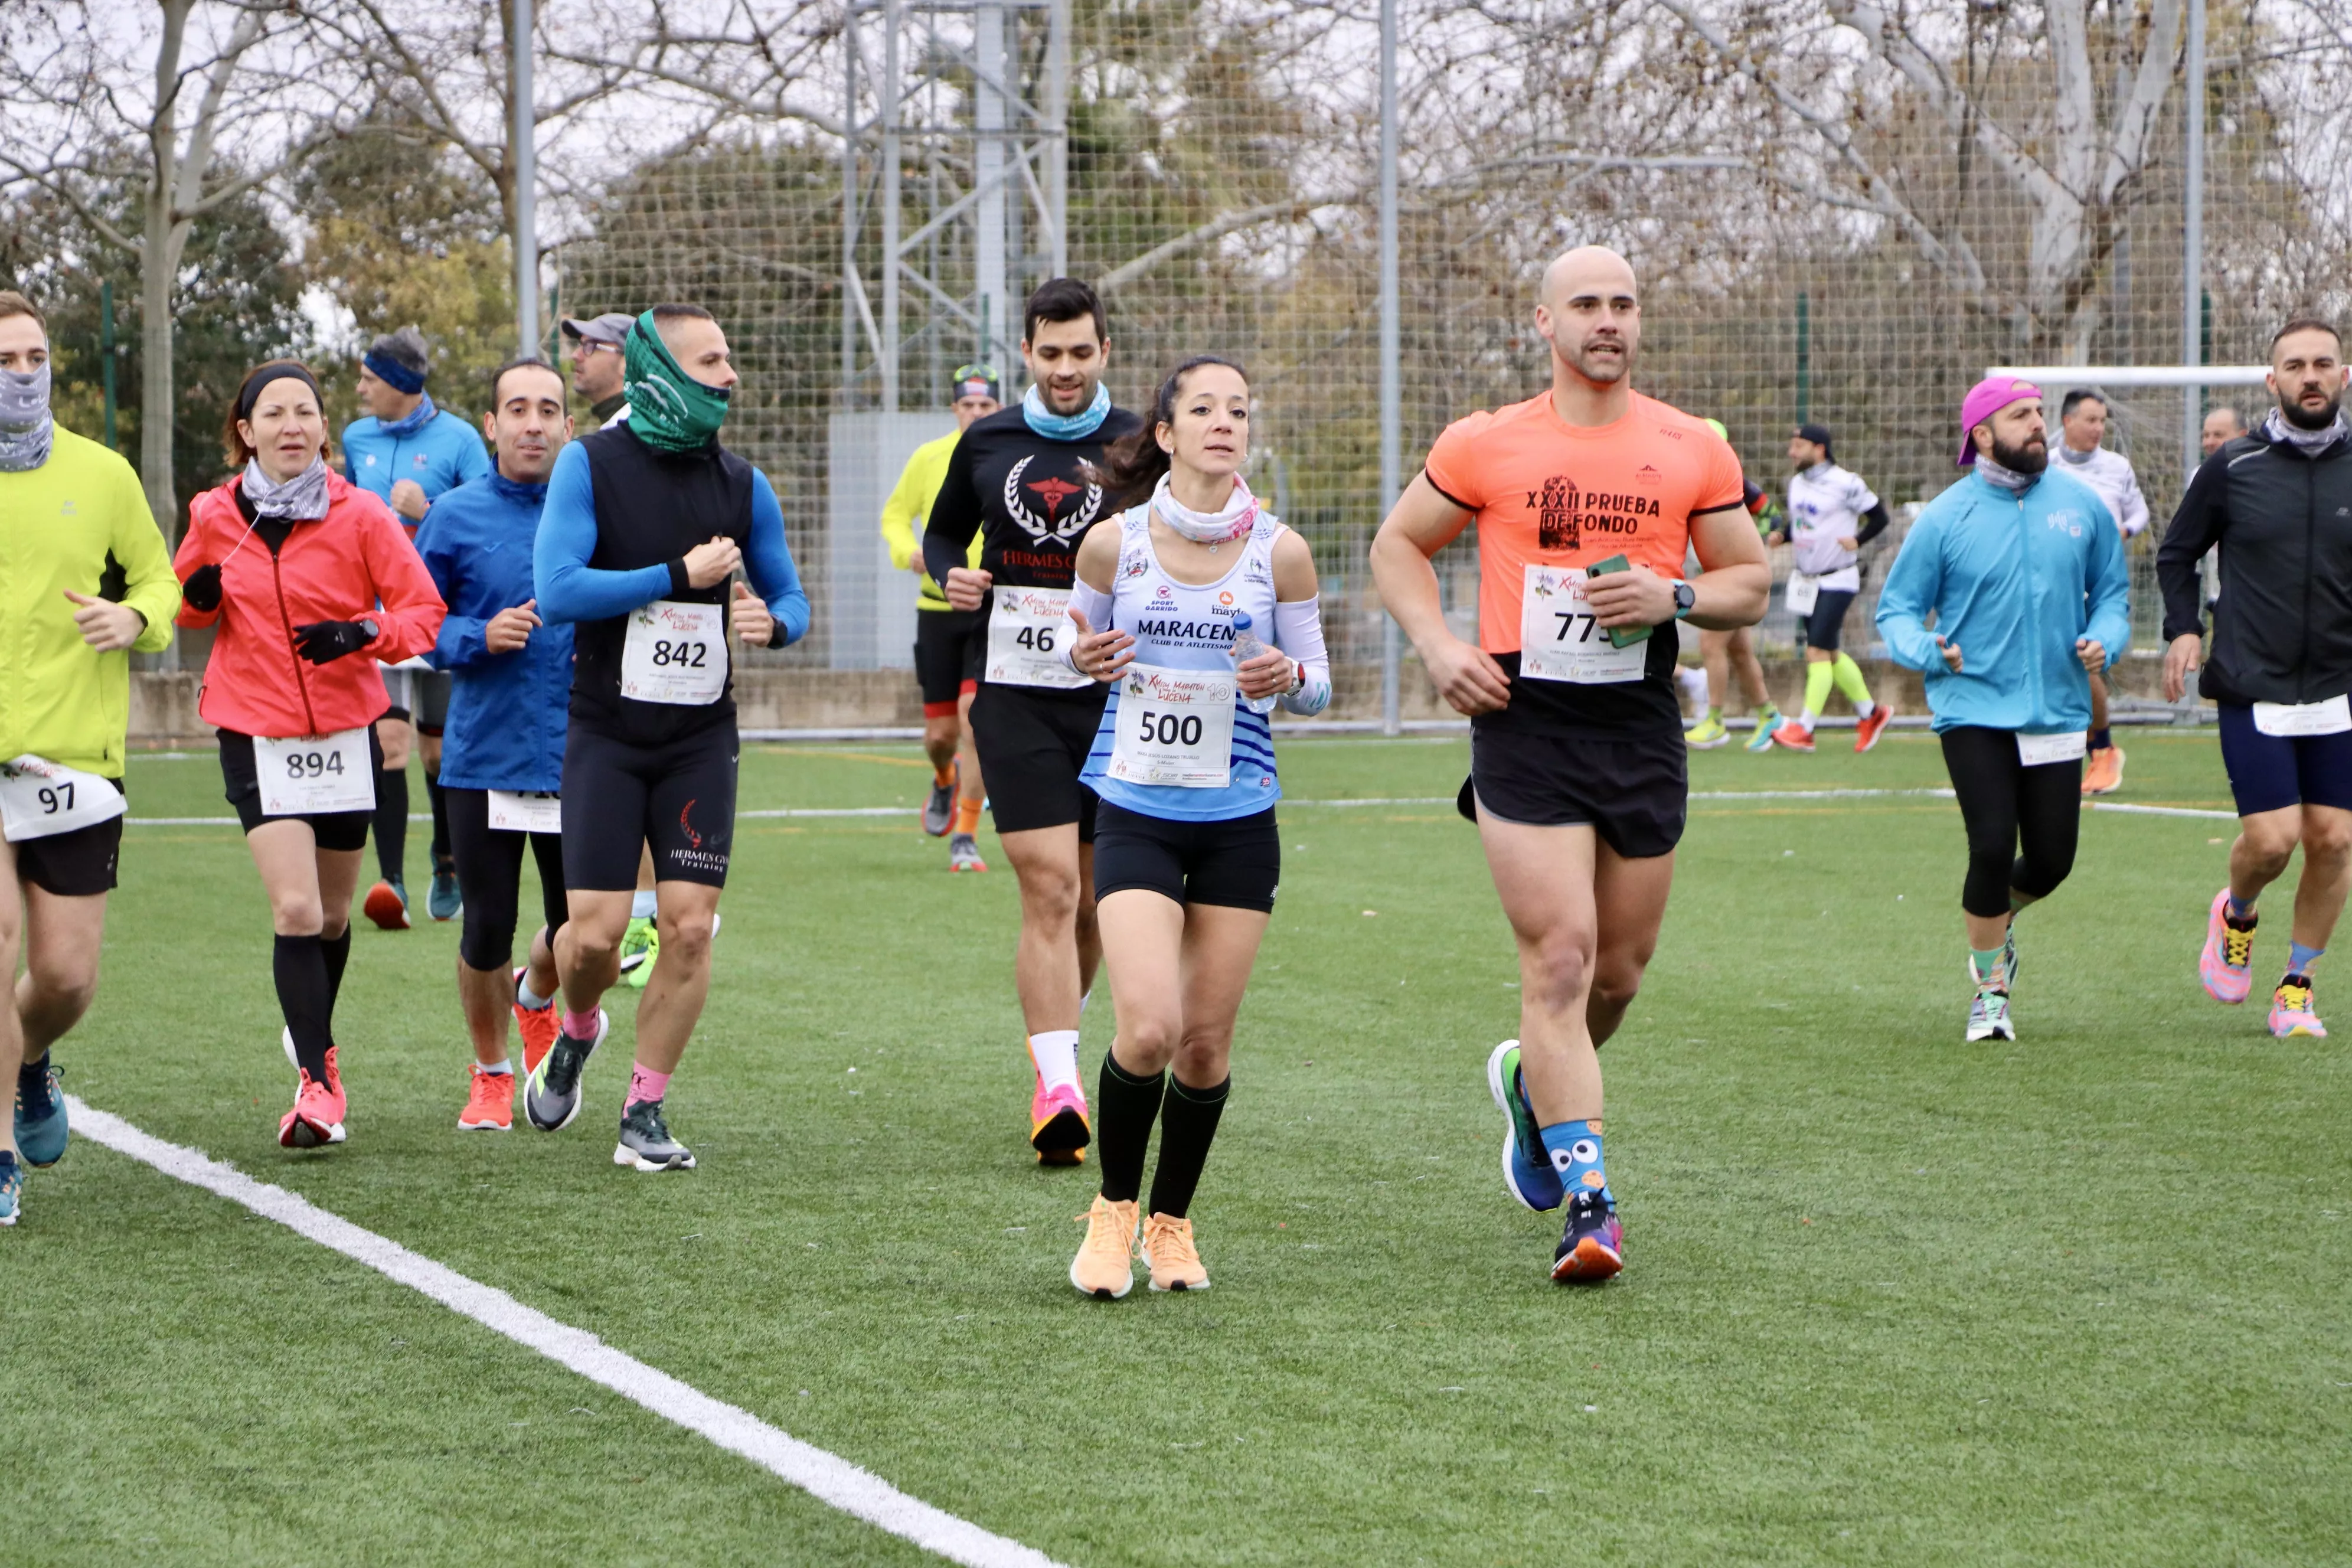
{"x":2022,"y":569}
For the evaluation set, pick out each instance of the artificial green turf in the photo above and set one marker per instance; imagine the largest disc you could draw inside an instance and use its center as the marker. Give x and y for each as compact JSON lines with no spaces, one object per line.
{"x":1891,"y":1298}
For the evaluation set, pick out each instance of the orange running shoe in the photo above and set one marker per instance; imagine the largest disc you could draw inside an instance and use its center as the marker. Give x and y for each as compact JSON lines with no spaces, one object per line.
{"x":1105,"y":1266}
{"x":1058,"y":1128}
{"x":539,"y":1026}
{"x":316,"y":1118}
{"x":1794,"y":736}
{"x":1175,"y":1261}
{"x":490,"y":1105}
{"x":1867,"y":730}
{"x":388,"y":905}
{"x":2104,"y":773}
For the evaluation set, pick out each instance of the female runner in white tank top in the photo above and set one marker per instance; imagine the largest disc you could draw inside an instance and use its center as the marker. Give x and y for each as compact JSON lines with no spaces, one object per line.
{"x":1187,"y":852}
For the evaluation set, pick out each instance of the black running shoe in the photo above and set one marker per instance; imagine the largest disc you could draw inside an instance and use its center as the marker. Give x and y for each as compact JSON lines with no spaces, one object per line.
{"x":551,"y":1098}
{"x":646,"y":1143}
{"x":1592,"y":1247}
{"x":939,"y":812}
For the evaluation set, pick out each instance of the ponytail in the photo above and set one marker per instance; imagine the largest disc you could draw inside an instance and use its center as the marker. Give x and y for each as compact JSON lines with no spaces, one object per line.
{"x":1132,"y":465}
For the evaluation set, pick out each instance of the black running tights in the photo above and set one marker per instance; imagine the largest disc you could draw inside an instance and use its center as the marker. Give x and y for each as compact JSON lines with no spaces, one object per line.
{"x":489,"y":873}
{"x":2034,"y":813}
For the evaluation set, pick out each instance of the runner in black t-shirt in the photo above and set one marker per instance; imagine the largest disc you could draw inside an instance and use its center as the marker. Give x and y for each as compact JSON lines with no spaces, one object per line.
{"x":1021,"y":480}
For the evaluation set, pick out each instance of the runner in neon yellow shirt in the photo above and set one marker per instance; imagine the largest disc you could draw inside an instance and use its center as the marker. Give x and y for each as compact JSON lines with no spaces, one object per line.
{"x":949,"y":642}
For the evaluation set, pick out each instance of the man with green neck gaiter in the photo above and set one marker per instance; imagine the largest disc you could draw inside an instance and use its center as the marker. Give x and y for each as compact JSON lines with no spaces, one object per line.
{"x":647,"y":523}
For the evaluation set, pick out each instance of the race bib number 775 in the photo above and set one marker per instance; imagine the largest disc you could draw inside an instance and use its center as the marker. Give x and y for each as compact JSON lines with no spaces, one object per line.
{"x":1561,"y":638}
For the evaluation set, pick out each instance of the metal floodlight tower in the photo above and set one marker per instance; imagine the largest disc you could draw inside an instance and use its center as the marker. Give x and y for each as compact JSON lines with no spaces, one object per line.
{"x":954,"y":181}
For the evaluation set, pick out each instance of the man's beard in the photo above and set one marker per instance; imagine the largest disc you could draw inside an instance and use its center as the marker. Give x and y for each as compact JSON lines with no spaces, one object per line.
{"x":2304,"y":419}
{"x":2030,"y":459}
{"x":1602,"y":374}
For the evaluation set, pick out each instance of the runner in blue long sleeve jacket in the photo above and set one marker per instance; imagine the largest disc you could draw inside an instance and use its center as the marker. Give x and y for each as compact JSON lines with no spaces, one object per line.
{"x":502,"y":757}
{"x":2023,"y":570}
{"x":647,"y":523}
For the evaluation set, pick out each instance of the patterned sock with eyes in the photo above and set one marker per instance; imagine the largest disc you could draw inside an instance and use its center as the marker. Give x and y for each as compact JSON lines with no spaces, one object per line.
{"x":1575,"y":1151}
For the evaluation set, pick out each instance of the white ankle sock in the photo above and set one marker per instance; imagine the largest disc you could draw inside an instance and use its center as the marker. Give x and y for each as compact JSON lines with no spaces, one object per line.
{"x":526,"y":997}
{"x":1864,"y":708}
{"x":1807,"y":719}
{"x":504,"y":1069}
{"x":1055,"y":1052}
{"x":641,"y":906}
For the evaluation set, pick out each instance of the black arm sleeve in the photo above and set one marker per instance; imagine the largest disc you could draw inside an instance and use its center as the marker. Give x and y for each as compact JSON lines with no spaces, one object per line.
{"x":1873,"y":524}
{"x":954,"y":520}
{"x":2196,"y":528}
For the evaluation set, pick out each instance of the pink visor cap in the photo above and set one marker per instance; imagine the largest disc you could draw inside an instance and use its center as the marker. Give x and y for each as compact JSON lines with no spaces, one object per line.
{"x":1985,"y":399}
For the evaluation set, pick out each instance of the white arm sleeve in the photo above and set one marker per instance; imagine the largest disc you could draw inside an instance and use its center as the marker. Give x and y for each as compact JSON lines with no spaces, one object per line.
{"x":1298,"y":632}
{"x":1092,"y":602}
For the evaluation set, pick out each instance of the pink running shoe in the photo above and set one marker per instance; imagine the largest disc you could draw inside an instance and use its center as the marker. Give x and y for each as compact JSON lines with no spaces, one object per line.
{"x":2224,"y":965}
{"x":1058,"y":1126}
{"x":2291,"y":1013}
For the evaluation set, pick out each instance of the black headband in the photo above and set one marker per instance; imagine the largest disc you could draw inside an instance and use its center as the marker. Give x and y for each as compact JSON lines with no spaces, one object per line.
{"x":265,"y":374}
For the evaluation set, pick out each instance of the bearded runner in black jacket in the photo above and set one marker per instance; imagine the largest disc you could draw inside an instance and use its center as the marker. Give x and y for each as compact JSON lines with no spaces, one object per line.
{"x":2278,"y":500}
{"x":1022,"y":479}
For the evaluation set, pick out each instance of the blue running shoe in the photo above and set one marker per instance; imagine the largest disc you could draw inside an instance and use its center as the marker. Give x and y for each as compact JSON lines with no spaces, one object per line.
{"x":1527,"y":1173}
{"x":12,"y":1189}
{"x":444,"y":901}
{"x":41,"y":1117}
{"x":1593,"y":1246}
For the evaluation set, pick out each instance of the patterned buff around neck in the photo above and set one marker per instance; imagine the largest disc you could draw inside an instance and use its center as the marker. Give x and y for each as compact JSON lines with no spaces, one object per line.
{"x":410,"y":422}
{"x":1232,"y":520}
{"x":2279,"y":427}
{"x":668,"y":409}
{"x":1066,"y":427}
{"x":302,"y":498}
{"x":25,"y":424}
{"x":2007,"y":478}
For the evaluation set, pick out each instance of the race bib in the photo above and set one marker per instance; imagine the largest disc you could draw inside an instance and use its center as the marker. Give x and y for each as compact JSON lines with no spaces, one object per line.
{"x":2331,"y":717}
{"x":526,"y":811}
{"x":675,"y":653}
{"x":305,"y":775}
{"x":1804,"y":593}
{"x":1028,"y":630}
{"x":2034,"y":751}
{"x":1561,"y":638}
{"x":39,"y":799}
{"x":1174,"y":727}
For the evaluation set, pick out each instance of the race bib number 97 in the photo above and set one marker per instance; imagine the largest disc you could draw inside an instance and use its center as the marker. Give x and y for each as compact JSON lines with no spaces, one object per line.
{"x":39,"y":799}
{"x":1028,"y":631}
{"x":1562,"y":639}
{"x":1174,"y":727}
{"x":675,"y":653}
{"x":305,"y":775}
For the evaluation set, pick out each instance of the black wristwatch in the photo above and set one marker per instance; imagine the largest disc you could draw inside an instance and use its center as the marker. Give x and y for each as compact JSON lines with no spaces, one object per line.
{"x":367,"y":624}
{"x":1686,"y":599}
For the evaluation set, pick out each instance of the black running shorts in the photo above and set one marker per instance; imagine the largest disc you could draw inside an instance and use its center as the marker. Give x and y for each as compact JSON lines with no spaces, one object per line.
{"x":431,"y":690}
{"x":1826,"y":621}
{"x":1237,"y":863}
{"x":950,"y":647}
{"x":1632,"y":788}
{"x":678,"y":797}
{"x":2271,"y":773}
{"x":338,"y":830}
{"x":1032,"y":745}
{"x":77,"y":865}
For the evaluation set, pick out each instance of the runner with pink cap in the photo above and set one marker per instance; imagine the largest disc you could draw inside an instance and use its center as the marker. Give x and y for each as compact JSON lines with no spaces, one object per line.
{"x":2022,"y":569}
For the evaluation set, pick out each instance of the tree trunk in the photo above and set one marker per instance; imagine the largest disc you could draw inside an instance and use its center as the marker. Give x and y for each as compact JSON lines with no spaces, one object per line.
{"x":158,"y":258}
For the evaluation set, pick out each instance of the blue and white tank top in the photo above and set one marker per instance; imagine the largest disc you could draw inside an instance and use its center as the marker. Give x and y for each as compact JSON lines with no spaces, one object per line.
{"x":1183,"y":661}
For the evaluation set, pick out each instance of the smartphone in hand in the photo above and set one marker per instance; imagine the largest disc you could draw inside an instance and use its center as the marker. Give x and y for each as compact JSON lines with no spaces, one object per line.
{"x":1619,"y":636}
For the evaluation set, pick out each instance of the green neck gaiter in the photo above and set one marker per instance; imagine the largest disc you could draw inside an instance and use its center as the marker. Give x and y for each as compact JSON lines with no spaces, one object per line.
{"x":668,"y":409}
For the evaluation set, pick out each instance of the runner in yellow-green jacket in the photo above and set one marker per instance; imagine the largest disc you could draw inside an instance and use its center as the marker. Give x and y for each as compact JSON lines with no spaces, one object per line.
{"x":84,"y":579}
{"x":948,"y":641}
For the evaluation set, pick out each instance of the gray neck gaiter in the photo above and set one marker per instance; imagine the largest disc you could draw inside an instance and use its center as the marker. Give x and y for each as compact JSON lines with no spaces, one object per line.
{"x":25,"y":424}
{"x":302,"y":498}
{"x":2007,"y":478}
{"x":2279,"y":427}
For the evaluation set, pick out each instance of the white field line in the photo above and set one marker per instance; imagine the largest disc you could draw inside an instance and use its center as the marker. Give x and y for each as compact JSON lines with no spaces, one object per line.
{"x":2163,"y":810}
{"x":828,"y":1478}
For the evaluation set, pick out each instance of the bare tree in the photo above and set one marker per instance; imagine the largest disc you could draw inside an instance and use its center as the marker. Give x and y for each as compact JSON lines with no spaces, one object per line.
{"x":213,"y":98}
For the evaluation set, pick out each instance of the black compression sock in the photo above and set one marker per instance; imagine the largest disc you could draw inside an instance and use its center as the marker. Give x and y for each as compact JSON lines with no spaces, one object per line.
{"x":1188,"y":1122}
{"x":1124,"y":1107}
{"x":338,"y":952}
{"x":28,"y":1075}
{"x":392,"y":823}
{"x":299,"y":967}
{"x":442,"y":860}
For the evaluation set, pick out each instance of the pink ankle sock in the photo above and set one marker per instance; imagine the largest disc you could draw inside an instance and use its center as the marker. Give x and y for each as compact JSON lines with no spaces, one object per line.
{"x":645,"y":1084}
{"x":580,"y":1026}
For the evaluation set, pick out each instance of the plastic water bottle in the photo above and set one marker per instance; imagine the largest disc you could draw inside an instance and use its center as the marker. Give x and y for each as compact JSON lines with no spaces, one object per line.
{"x":1248,"y":647}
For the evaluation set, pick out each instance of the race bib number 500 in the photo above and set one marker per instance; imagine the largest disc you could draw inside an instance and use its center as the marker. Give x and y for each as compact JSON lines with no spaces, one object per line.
{"x":1562,"y":639}
{"x":675,"y":653}
{"x":304,"y":776}
{"x":1174,"y":727}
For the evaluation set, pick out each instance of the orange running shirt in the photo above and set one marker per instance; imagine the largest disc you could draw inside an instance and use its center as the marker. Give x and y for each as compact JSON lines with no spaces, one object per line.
{"x":1548,"y":491}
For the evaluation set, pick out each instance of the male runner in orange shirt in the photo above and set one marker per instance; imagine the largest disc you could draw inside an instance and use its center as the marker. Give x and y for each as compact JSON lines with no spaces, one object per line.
{"x":1577,"y":762}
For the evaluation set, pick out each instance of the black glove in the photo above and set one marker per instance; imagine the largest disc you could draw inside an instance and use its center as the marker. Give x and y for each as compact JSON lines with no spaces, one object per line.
{"x":203,"y":589}
{"x":324,"y":642}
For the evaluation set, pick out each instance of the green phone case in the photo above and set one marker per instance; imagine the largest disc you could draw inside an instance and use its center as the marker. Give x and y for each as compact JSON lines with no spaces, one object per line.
{"x":1619,"y":636}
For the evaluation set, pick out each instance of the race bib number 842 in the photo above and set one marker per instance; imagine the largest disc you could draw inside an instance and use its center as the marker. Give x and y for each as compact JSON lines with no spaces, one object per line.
{"x":675,"y":653}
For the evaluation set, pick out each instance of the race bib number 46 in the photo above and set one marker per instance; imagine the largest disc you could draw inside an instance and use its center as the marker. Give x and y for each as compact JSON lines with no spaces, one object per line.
{"x":305,"y":775}
{"x":1173,"y":727}
{"x":1028,"y":630}
{"x":675,"y":653}
{"x":39,"y":799}
{"x":1562,"y":639}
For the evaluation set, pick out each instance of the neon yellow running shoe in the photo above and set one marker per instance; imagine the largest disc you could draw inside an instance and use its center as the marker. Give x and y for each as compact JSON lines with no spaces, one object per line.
{"x":640,"y":945}
{"x":1706,"y":734}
